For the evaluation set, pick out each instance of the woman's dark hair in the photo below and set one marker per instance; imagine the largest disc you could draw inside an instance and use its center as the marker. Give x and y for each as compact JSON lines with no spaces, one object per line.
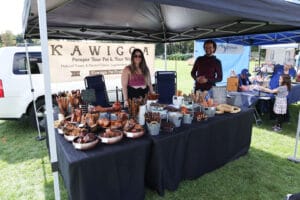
{"x":143,"y":65}
{"x":286,"y":80}
{"x":210,"y":42}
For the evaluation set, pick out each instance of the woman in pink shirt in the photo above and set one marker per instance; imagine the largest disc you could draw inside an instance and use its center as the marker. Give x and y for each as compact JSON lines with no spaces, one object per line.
{"x":136,"y":80}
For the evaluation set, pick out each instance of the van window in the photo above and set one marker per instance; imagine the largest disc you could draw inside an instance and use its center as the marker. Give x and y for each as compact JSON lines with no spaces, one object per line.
{"x":35,"y":60}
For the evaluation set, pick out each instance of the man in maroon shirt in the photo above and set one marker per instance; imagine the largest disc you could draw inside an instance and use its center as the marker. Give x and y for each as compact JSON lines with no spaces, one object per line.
{"x":207,"y":69}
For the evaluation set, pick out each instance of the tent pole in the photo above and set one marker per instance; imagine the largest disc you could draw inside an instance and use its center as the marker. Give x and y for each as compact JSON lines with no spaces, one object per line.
{"x":294,"y":157}
{"x":39,"y":137}
{"x":258,"y":56}
{"x":48,"y":96}
{"x":165,"y":45}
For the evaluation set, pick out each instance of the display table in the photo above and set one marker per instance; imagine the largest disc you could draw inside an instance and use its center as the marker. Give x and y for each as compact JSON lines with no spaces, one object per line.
{"x":243,"y":99}
{"x":249,"y":98}
{"x":193,"y":150}
{"x":107,"y":172}
{"x":120,"y":171}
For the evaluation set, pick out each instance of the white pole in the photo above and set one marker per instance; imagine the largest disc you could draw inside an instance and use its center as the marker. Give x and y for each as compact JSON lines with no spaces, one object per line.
{"x":39,"y":137}
{"x":165,"y":56}
{"x":48,"y":96}
{"x":294,"y":157}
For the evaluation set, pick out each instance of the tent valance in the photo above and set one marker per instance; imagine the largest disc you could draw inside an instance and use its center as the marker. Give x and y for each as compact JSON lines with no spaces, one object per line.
{"x":160,"y":20}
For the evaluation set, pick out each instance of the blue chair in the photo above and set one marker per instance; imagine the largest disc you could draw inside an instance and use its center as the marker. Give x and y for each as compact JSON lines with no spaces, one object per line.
{"x":97,"y":83}
{"x":165,"y":86}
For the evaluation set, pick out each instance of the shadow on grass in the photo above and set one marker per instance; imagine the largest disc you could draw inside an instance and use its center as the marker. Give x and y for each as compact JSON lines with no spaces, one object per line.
{"x":17,"y":142}
{"x":258,"y":175}
{"x":288,"y":129}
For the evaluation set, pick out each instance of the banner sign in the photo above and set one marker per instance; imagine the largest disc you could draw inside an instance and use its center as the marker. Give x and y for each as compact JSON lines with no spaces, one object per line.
{"x":226,"y":48}
{"x":73,"y":60}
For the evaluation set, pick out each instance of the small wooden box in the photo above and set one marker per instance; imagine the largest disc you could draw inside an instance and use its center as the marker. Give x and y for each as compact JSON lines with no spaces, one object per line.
{"x":232,"y":84}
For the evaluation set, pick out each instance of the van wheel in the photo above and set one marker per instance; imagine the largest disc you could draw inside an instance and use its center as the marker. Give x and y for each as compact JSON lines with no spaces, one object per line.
{"x":41,"y":114}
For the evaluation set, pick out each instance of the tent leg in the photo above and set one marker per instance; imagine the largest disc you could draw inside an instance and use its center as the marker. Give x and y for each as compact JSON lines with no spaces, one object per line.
{"x":165,"y":45}
{"x":294,"y":157}
{"x":39,"y":137}
{"x":48,"y":95}
{"x":56,"y":185}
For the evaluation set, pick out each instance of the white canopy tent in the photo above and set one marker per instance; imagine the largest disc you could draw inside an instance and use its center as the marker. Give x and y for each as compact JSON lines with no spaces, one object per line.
{"x":148,"y":21}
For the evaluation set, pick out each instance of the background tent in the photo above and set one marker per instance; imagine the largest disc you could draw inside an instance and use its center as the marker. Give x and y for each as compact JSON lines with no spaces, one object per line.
{"x":263,"y":38}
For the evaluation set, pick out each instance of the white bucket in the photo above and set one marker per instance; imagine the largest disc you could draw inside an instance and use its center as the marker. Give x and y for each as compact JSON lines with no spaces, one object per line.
{"x":149,"y":103}
{"x":188,"y":118}
{"x":153,"y":127}
{"x":177,"y":100}
{"x":176,"y":118}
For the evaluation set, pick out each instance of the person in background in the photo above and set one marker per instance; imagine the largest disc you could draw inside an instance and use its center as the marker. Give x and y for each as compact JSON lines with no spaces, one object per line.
{"x":279,"y":70}
{"x":287,"y":68}
{"x":244,"y":81}
{"x":280,"y":105}
{"x":136,"y":80}
{"x":207,"y":69}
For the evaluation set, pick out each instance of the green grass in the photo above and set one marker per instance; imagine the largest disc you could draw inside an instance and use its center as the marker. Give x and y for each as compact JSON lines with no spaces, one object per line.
{"x":24,"y":163}
{"x":263,"y":174}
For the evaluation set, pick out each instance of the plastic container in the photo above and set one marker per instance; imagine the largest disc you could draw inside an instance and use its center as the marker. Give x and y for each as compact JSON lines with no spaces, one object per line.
{"x":219,"y":94}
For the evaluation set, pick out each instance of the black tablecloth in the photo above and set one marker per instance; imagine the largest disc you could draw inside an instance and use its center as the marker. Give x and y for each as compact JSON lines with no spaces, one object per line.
{"x":197,"y":149}
{"x":107,"y":172}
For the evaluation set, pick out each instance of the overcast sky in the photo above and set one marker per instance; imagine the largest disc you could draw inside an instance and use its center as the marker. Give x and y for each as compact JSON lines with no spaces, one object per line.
{"x":11,"y":16}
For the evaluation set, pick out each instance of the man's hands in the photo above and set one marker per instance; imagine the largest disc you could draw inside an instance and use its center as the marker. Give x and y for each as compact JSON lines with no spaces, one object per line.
{"x":201,"y":79}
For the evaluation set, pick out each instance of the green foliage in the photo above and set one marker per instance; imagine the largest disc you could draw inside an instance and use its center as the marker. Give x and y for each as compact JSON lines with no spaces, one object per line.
{"x":179,"y":56}
{"x":185,"y":47}
{"x":159,"y":49}
{"x":19,"y":39}
{"x":8,"y":39}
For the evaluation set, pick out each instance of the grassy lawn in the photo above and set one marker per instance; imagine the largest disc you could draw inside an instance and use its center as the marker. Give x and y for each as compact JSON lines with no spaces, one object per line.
{"x":263,"y":174}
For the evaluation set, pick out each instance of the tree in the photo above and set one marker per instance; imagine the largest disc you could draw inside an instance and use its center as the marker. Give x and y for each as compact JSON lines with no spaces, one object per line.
{"x":159,"y":49}
{"x":8,"y":39}
{"x":19,"y":39}
{"x":185,"y":47}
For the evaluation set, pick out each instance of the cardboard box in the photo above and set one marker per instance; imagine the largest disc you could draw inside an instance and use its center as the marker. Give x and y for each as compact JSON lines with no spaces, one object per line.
{"x":232,"y":84}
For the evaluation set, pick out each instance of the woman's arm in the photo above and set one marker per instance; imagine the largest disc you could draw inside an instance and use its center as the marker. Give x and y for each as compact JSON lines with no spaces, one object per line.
{"x":124,"y":80}
{"x":150,"y":84}
{"x":264,"y":89}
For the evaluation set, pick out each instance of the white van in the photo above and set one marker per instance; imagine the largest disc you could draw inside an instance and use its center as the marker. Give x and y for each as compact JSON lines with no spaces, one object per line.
{"x":15,"y":89}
